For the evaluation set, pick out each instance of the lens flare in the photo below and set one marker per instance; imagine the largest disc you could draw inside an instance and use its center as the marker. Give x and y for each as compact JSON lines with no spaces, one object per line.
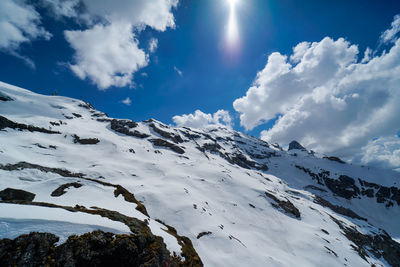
{"x":232,"y":30}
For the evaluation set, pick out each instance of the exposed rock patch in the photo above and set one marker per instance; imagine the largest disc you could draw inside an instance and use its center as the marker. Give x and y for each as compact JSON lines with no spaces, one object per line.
{"x":176,"y":138}
{"x":287,"y":206}
{"x":6,"y":123}
{"x":164,"y":143}
{"x":338,"y":209}
{"x":336,"y":159}
{"x":85,"y":141}
{"x":16,"y":194}
{"x":296,"y":145}
{"x":91,"y":249}
{"x":124,"y":126}
{"x":61,"y":189}
{"x":378,"y":244}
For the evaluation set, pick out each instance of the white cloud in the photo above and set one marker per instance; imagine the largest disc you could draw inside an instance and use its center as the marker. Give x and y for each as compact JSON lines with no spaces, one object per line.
{"x":325,"y":98}
{"x":153,"y":44}
{"x":62,"y":8}
{"x":390,"y":34}
{"x":127,"y":101}
{"x":155,"y":13}
{"x":200,"y":119}
{"x":19,"y":23}
{"x":178,"y":71}
{"x":108,"y":55}
{"x":384,"y":152}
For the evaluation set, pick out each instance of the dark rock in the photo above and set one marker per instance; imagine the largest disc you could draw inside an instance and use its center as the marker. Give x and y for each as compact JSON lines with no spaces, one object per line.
{"x":335,"y":159}
{"x":176,"y":138}
{"x":6,"y":123}
{"x":4,"y":97}
{"x":77,"y":115}
{"x":27,"y":250}
{"x":16,"y":194}
{"x":163,"y":143}
{"x":315,"y":188}
{"x":25,"y":165}
{"x":91,"y":249}
{"x":285,"y":205}
{"x":380,"y":244}
{"x":203,"y":234}
{"x":61,"y":189}
{"x":338,"y":209}
{"x":383,"y":194}
{"x":86,"y":105}
{"x":296,"y":145}
{"x":344,"y":186}
{"x":85,"y":141}
{"x":124,"y":126}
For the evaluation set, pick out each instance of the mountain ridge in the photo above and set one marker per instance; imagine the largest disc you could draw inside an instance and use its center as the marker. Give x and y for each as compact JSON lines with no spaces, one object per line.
{"x":238,"y":199}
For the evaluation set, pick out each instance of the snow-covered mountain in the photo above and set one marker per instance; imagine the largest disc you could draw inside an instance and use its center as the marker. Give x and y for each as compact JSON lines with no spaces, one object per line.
{"x":216,"y":196}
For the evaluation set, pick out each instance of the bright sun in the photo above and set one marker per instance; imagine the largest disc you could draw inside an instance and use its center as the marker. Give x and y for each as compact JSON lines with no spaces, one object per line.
{"x":232,"y":29}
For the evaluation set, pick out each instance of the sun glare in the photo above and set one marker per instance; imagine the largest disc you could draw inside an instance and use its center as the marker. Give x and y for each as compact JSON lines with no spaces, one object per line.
{"x":232,"y":34}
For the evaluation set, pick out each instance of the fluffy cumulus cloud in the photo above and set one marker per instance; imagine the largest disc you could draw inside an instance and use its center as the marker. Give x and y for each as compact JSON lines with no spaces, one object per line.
{"x":200,"y":119}
{"x":382,"y":151}
{"x":327,"y":96}
{"x":108,"y":53}
{"x":19,"y":23}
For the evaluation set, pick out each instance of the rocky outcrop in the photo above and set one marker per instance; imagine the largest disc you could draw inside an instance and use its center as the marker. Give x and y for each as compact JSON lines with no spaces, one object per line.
{"x":164,"y":143}
{"x":16,"y":194}
{"x":176,"y":138}
{"x":85,"y":141}
{"x":125,"y":126}
{"x":378,"y":245}
{"x":338,"y":209}
{"x":61,"y":189}
{"x":346,"y":187}
{"x":287,"y":206}
{"x":336,"y":159}
{"x":6,"y":123}
{"x":296,"y":145}
{"x":91,"y":249}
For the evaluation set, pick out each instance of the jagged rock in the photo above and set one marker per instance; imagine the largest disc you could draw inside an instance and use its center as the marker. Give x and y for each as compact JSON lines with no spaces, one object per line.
{"x":124,"y":126}
{"x":77,"y":115}
{"x":163,"y":143}
{"x":344,"y":186}
{"x":295,"y":145}
{"x":91,"y":249}
{"x":26,"y":165}
{"x":285,"y":205}
{"x":85,"y":141}
{"x":27,"y":250}
{"x":335,"y":159}
{"x":16,"y":194}
{"x":176,"y":138}
{"x":378,"y":244}
{"x":203,"y":234}
{"x":6,"y":123}
{"x":61,"y":189}
{"x":338,"y":209}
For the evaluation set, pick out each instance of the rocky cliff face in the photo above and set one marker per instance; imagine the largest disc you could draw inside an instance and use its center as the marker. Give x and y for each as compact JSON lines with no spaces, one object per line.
{"x":103,"y":190}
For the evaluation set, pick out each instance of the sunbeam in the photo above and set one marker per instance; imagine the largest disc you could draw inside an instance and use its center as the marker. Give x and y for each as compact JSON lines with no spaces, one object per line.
{"x":232,"y":33}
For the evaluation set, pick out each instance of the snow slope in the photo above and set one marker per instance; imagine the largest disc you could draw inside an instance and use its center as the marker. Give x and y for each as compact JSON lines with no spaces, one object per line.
{"x":241,"y":201}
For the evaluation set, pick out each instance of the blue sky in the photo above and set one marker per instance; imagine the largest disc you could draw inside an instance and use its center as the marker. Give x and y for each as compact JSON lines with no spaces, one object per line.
{"x":211,"y":77}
